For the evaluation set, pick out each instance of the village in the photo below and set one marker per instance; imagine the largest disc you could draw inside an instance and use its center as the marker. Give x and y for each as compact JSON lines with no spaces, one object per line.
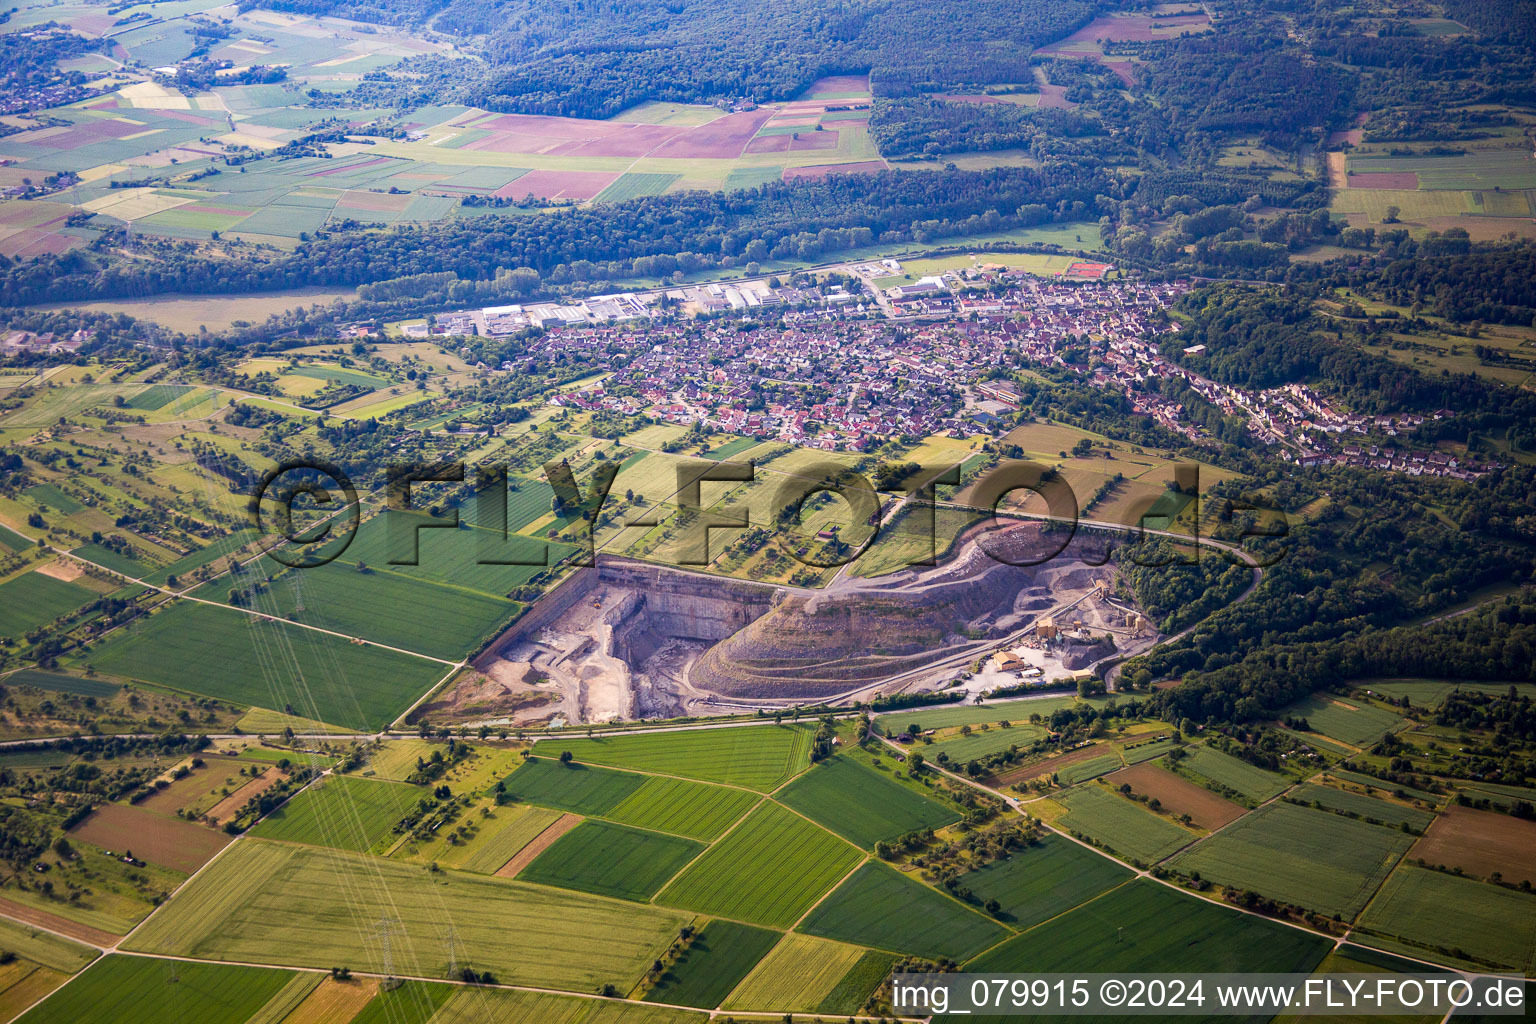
{"x":849,"y":365}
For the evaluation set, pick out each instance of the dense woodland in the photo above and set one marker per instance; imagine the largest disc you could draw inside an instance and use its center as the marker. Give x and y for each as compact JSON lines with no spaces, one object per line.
{"x":803,"y":219}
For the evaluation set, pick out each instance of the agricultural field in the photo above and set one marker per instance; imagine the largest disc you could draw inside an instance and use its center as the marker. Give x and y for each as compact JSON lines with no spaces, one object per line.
{"x":879,"y":906}
{"x":612,"y":860}
{"x":493,"y":839}
{"x":1354,"y":722}
{"x":755,"y":757}
{"x":1228,"y":772}
{"x":143,"y":990}
{"x":43,"y":948}
{"x":273,"y":903}
{"x":1177,"y":796}
{"x":383,"y":606}
{"x":1461,"y":916}
{"x":1121,"y":824}
{"x":1145,"y":926}
{"x":342,"y":812}
{"x":1313,"y":859}
{"x":860,"y":805}
{"x":1362,"y":806}
{"x":35,"y":599}
{"x":1042,"y":880}
{"x":683,"y":808}
{"x":797,"y":975}
{"x":954,"y":715}
{"x":1481,"y":843}
{"x":266,"y":664}
{"x":768,"y":870}
{"x":113,"y":896}
{"x":166,"y":841}
{"x":470,"y":1006}
{"x":718,"y":957}
{"x":571,"y":787}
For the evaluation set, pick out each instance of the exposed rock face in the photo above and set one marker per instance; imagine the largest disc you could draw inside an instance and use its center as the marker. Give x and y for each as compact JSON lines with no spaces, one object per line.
{"x":863,"y":630}
{"x":760,"y":640}
{"x":657,"y":603}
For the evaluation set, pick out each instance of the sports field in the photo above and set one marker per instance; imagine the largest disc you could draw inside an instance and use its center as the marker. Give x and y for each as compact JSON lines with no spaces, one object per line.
{"x":611,"y":860}
{"x":861,"y":805}
{"x":880,"y":907}
{"x":768,"y":870}
{"x":342,"y":811}
{"x":267,"y":664}
{"x":1043,"y":880}
{"x":267,"y":902}
{"x":1314,"y":859}
{"x":1145,"y":926}
{"x":758,"y":757}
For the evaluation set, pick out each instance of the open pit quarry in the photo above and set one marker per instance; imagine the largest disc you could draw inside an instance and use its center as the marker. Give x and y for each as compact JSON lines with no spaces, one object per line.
{"x":628,"y":639}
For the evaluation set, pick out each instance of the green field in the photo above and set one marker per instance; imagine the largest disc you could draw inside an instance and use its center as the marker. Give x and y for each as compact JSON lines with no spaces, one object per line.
{"x":860,"y":805}
{"x":52,"y":951}
{"x":140,"y":990}
{"x":757,"y":757}
{"x":342,"y":811}
{"x":768,"y":870}
{"x":1358,"y":724}
{"x":57,"y":682}
{"x":692,"y":809}
{"x":1364,"y":806}
{"x":1082,"y":771}
{"x":476,"y":1006}
{"x":948,"y":715}
{"x":984,"y":742}
{"x":1121,"y":825}
{"x":571,"y":787}
{"x":719,"y":956}
{"x":498,"y":843}
{"x":1146,"y":926}
{"x":881,"y":907}
{"x":113,"y":560}
{"x":294,"y":905}
{"x":866,"y":974}
{"x":1432,"y":909}
{"x":414,"y":1002}
{"x":1043,"y":880}
{"x":56,"y":500}
{"x":32,"y":600}
{"x":1235,"y":774}
{"x":1314,"y":859}
{"x":797,"y":975}
{"x":611,"y":860}
{"x":384,"y":606}
{"x":226,"y":654}
{"x":634,"y":185}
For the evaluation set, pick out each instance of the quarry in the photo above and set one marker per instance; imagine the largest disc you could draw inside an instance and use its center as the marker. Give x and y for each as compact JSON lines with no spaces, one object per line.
{"x":627,"y":639}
